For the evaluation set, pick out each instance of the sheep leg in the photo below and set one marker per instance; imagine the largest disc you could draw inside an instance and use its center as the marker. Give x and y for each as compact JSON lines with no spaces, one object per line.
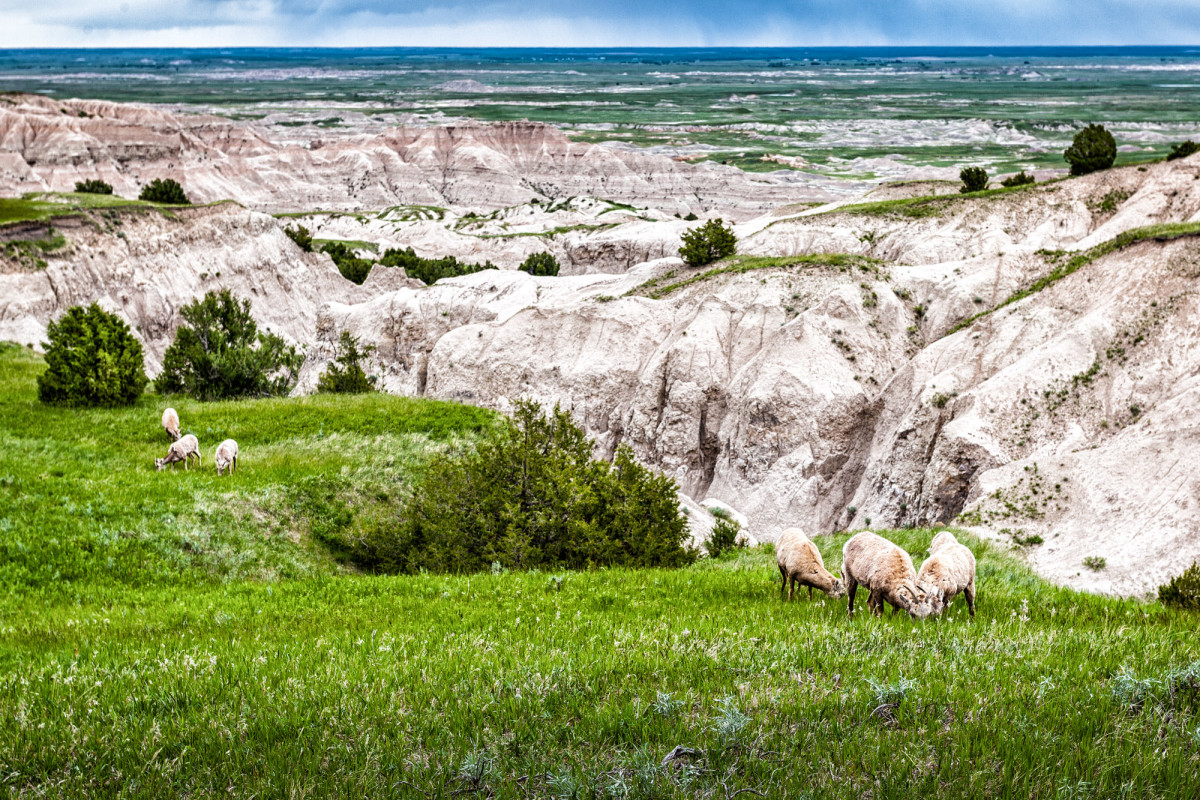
{"x":969,"y":593}
{"x":782,"y":586}
{"x":851,"y":589}
{"x":810,"y":593}
{"x":233,"y":466}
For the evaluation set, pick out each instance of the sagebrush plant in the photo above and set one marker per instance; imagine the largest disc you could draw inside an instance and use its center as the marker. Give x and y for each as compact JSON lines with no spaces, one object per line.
{"x":93,"y":186}
{"x":542,"y":264}
{"x":710,"y":242}
{"x":219,"y":353}
{"x":974,"y":179}
{"x":92,"y":359}
{"x":301,"y":235}
{"x":532,"y":496}
{"x":1182,"y":591}
{"x":345,"y":374}
{"x":164,"y":190}
{"x":1093,"y":149}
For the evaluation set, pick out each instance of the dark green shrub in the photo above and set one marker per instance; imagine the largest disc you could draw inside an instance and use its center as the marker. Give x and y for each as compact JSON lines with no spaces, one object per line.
{"x":974,"y":179}
{"x":544,"y":264}
{"x":348,"y":262}
{"x":164,"y":190}
{"x":92,"y":359}
{"x":301,"y":235}
{"x":219,"y":353}
{"x":345,"y":374}
{"x":1022,"y":178}
{"x":1093,"y":149}
{"x":429,"y":270}
{"x":690,"y":217}
{"x":1183,"y":150}
{"x":530,"y":495}
{"x":723,"y":538}
{"x":710,"y":242}
{"x":93,"y":186}
{"x":1182,"y":591}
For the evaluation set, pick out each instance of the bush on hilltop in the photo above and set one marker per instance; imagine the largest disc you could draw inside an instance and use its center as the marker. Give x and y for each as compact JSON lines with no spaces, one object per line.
{"x":710,"y":242}
{"x":1182,"y":591}
{"x":352,"y":267}
{"x":974,"y":179}
{"x":429,"y":270}
{"x":92,"y":359}
{"x":164,"y":190}
{"x":1183,"y":150}
{"x":219,"y":353}
{"x":1022,"y":178}
{"x":93,"y":186}
{"x":1092,"y":150}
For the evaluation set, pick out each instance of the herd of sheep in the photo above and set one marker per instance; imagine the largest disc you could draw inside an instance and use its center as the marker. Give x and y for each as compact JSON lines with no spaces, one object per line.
{"x":884,"y":570}
{"x":184,"y":447}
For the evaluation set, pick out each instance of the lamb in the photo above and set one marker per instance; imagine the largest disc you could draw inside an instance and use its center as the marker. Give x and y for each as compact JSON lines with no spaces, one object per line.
{"x":949,"y":570}
{"x":887,"y":572}
{"x":800,"y":562}
{"x":226,"y":455}
{"x":170,"y":423}
{"x":182,"y":450}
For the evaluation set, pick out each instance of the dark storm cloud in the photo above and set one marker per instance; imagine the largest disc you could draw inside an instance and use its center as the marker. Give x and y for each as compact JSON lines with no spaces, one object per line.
{"x":615,"y":22}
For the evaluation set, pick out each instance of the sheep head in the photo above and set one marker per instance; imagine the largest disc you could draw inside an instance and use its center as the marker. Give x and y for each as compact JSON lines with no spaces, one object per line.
{"x":160,"y":464}
{"x":917,"y":602}
{"x":838,"y":589}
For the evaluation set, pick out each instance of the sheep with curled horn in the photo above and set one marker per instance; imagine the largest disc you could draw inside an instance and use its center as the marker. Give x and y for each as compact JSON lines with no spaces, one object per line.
{"x":887,"y":572}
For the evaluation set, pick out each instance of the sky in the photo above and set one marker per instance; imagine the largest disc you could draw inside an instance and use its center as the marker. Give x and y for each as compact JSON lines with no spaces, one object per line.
{"x":594,"y":23}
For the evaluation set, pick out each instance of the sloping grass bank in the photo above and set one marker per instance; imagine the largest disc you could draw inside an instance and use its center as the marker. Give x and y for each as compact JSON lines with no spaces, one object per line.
{"x":180,"y":635}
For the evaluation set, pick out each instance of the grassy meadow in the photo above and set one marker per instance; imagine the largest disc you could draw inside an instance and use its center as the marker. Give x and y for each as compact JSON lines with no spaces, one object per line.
{"x":175,"y":634}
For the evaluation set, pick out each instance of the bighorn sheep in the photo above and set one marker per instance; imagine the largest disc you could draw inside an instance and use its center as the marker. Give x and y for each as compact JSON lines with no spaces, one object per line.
{"x":886,"y":571}
{"x":170,"y":423}
{"x":800,"y":562}
{"x":226,"y":455}
{"x":183,"y":450}
{"x":949,"y":570}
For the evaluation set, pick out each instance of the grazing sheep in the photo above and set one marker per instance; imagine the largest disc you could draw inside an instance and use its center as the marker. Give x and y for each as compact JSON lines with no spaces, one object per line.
{"x":170,"y":423}
{"x":800,"y":562}
{"x":226,"y":455}
{"x":886,"y":571}
{"x":949,"y":570}
{"x":183,"y":450}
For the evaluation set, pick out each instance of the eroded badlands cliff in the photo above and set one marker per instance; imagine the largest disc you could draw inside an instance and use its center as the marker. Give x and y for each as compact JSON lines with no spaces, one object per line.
{"x":1018,"y":361}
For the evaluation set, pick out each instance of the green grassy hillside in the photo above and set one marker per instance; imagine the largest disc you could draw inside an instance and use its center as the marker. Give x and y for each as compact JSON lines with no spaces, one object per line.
{"x":172,"y":635}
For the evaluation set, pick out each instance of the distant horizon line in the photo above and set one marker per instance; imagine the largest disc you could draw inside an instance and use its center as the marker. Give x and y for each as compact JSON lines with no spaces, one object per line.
{"x":631,"y":48}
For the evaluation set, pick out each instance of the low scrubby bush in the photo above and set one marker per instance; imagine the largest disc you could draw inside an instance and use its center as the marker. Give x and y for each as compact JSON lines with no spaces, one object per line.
{"x":1183,"y":150}
{"x":543,"y":264}
{"x":164,"y":190}
{"x":974,"y":179}
{"x":1182,"y":591}
{"x":301,"y":235}
{"x":1093,"y":149}
{"x":1022,"y":178}
{"x":92,"y":359}
{"x":429,"y":270}
{"x":723,"y":538}
{"x":219,"y":353}
{"x":93,"y":186}
{"x":710,"y":242}
{"x":345,"y":374}
{"x":531,"y":495}
{"x":352,"y":267}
